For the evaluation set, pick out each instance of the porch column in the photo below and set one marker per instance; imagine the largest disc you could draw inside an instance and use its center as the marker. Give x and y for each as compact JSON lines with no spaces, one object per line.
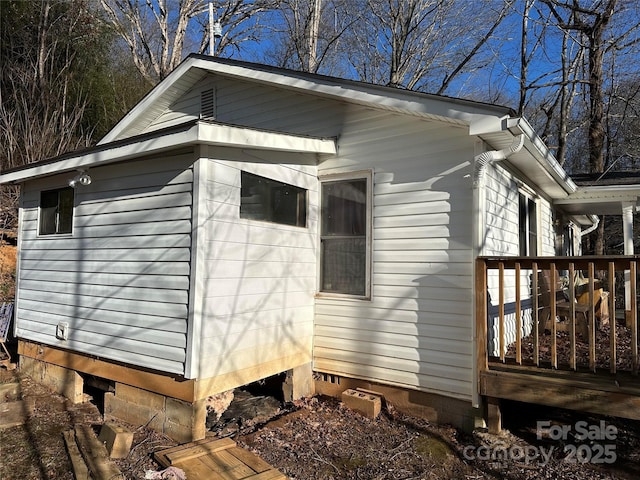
{"x":628,"y":209}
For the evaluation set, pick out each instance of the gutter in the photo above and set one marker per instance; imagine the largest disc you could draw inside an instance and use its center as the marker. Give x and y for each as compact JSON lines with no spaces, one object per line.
{"x":520,"y":126}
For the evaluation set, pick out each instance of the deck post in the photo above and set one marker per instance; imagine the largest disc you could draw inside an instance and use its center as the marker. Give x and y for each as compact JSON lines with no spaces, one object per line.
{"x":494,"y":415}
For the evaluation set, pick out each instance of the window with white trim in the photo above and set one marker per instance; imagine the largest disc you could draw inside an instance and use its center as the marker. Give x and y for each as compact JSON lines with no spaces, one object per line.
{"x":345,"y":239}
{"x":56,"y":211}
{"x":528,"y":225}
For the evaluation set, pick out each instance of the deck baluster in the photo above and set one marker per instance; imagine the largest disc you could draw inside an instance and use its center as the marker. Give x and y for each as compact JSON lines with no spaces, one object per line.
{"x":536,"y":313}
{"x":612,"y":317}
{"x":554,"y":347}
{"x":634,"y":319}
{"x":572,"y":295}
{"x":518,"y":316}
{"x":592,"y":319}
{"x":501,"y":311}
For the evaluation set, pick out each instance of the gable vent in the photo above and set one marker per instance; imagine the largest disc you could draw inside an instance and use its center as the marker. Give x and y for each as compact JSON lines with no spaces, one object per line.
{"x":207,"y":104}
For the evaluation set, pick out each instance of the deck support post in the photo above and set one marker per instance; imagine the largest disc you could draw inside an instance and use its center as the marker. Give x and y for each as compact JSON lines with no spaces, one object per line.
{"x":494,"y":415}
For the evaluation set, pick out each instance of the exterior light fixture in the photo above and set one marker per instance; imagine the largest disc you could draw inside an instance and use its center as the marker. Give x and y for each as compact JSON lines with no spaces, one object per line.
{"x":82,"y":178}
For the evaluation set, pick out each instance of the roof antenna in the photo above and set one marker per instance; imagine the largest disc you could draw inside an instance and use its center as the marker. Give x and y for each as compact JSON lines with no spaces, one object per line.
{"x":215,"y":31}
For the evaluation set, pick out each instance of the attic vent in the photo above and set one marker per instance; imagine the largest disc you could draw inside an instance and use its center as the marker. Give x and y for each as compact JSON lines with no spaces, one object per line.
{"x":207,"y":104}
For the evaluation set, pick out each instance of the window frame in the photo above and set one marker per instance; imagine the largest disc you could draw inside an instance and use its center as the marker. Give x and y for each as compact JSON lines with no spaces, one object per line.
{"x":525,"y":225}
{"x":366,"y":175}
{"x":302,"y":194}
{"x":41,"y":214}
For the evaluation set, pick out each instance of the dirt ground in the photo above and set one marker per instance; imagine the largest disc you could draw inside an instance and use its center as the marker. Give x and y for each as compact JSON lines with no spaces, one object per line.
{"x":319,"y":438}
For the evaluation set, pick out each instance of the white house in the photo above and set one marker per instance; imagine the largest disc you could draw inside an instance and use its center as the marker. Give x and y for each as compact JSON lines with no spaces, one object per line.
{"x":243,"y":220}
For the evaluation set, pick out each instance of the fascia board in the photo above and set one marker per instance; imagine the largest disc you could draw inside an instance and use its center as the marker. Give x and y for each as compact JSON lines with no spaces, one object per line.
{"x":240,"y":137}
{"x":103,"y":156}
{"x":199,"y":132}
{"x":161,"y":89}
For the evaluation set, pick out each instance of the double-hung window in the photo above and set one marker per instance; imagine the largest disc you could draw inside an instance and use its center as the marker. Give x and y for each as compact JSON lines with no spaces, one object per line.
{"x":56,"y":211}
{"x":345,"y":238}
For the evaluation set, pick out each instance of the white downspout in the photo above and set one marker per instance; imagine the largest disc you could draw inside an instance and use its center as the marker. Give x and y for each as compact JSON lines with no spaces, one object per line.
{"x":628,"y":209}
{"x":591,"y":228}
{"x":481,"y":162}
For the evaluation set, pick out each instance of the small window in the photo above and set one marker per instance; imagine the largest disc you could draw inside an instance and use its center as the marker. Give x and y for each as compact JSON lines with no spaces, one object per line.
{"x":272,"y":201}
{"x":56,"y":211}
{"x":528,"y":226}
{"x":344,"y":236}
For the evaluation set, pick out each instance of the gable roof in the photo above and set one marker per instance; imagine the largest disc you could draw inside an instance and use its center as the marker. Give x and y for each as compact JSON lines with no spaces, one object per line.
{"x":495,"y":124}
{"x":448,"y":109}
{"x":132,"y":135}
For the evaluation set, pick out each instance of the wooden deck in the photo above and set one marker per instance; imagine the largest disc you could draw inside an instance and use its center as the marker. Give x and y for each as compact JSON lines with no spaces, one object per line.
{"x":583,"y":391}
{"x":522,"y":357}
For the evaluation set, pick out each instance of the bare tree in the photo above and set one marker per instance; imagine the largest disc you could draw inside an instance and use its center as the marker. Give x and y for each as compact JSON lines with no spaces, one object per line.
{"x":590,"y":22}
{"x":42,"y":97}
{"x":308,"y":35}
{"x":152,"y":32}
{"x":158,"y":32}
{"x":425,"y":44}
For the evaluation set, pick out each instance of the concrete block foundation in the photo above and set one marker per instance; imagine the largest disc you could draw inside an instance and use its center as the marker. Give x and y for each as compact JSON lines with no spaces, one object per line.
{"x":166,"y":403}
{"x":433,"y":407}
{"x":180,"y":420}
{"x":61,"y":380}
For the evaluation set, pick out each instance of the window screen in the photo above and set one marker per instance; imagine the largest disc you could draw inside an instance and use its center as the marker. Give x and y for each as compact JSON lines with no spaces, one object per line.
{"x":343,"y":237}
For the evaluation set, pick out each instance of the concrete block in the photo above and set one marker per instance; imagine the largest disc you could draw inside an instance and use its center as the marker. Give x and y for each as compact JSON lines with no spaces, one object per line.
{"x":59,"y":379}
{"x":298,"y":383}
{"x":185,"y":422}
{"x":367,"y":404}
{"x":116,"y":439}
{"x":116,"y":408}
{"x":140,"y":397}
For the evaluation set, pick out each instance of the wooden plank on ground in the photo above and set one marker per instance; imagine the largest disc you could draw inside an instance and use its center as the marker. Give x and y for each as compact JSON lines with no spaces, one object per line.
{"x":217,"y":459}
{"x":9,"y":392}
{"x":232,"y":465}
{"x":197,"y":468}
{"x":12,"y":414}
{"x":272,"y":474}
{"x":95,"y":455}
{"x":256,"y":463}
{"x":80,"y":469}
{"x":194,"y":451}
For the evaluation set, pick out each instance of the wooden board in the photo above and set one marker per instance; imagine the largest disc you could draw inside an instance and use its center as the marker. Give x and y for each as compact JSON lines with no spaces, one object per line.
{"x":217,"y":459}
{"x":12,"y":414}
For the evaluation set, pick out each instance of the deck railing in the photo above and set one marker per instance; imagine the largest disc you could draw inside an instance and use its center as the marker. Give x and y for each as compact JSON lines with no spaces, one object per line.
{"x":516,"y":325}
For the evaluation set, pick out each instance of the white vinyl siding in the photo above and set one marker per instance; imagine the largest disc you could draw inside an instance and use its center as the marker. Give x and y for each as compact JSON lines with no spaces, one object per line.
{"x":501,"y":239}
{"x":121,"y":279}
{"x":416,"y":329}
{"x":245,"y":103}
{"x":259,"y":278}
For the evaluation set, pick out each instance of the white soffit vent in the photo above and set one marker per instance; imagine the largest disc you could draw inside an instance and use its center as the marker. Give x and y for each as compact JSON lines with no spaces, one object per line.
{"x":207,"y":104}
